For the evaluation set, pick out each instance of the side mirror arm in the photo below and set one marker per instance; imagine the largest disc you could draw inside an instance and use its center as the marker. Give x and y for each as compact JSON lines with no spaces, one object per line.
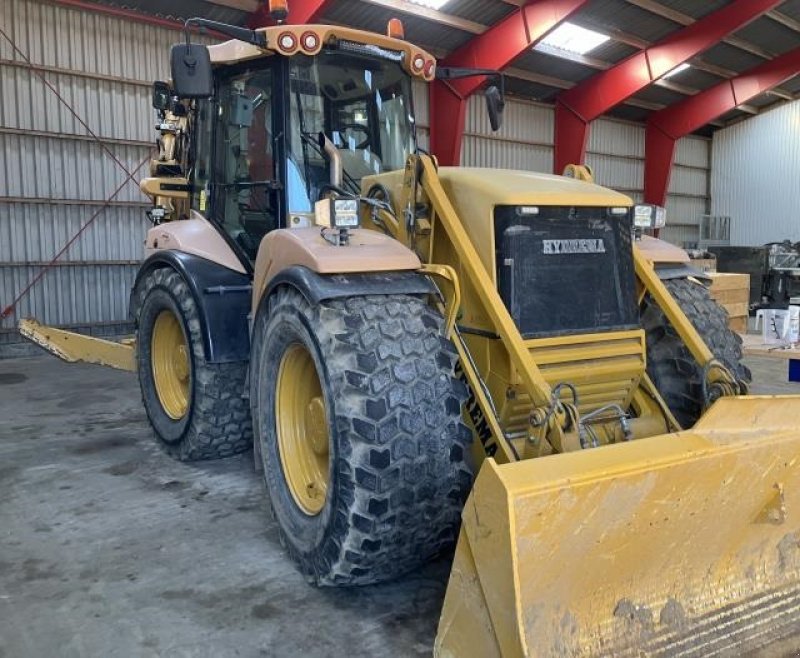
{"x":456,"y":72}
{"x":495,"y":93}
{"x":234,"y":32}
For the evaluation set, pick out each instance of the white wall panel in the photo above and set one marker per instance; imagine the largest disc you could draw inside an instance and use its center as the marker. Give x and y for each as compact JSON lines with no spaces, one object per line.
{"x":616,"y":138}
{"x":31,"y":233}
{"x":689,"y":180}
{"x":755,"y":174}
{"x":522,"y":121}
{"x":40,"y":168}
{"x":621,"y":173}
{"x":683,"y":214}
{"x":693,"y":152}
{"x":505,"y":154}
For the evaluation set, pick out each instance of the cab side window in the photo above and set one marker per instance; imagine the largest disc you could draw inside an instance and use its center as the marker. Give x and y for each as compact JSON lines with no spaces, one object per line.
{"x":244,"y":177}
{"x":200,"y":175}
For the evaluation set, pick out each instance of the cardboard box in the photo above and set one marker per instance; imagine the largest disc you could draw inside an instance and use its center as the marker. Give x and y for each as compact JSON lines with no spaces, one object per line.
{"x":738,"y":324}
{"x":729,"y":281}
{"x":704,"y":264}
{"x":732,"y":291}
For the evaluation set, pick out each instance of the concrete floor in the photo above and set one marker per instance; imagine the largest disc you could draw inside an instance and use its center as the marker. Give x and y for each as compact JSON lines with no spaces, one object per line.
{"x":110,"y":548}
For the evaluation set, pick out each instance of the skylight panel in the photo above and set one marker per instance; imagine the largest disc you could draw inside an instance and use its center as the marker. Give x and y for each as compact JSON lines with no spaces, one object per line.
{"x":432,"y":4}
{"x":676,"y":70}
{"x":574,"y":39}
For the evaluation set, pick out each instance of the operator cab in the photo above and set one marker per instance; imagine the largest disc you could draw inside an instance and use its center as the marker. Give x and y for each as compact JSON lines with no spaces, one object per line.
{"x":280,"y":118}
{"x":258,"y":161}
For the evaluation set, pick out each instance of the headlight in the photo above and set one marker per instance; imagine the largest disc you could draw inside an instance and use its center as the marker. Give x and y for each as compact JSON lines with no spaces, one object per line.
{"x":337,"y":213}
{"x":345,"y":213}
{"x":646,"y":215}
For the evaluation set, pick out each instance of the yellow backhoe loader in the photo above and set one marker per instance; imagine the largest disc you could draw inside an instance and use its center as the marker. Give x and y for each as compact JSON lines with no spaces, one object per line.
{"x":424,"y":356}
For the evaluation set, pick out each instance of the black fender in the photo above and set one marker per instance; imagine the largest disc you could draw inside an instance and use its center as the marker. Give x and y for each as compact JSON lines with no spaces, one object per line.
{"x":317,"y":288}
{"x":668,"y":271}
{"x":223,"y":301}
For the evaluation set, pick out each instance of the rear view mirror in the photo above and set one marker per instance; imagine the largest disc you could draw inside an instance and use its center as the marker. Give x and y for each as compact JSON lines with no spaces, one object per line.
{"x":191,"y":71}
{"x":495,"y":104}
{"x":161,"y":95}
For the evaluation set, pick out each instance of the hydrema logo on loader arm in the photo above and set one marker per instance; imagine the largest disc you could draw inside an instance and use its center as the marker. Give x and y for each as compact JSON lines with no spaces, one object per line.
{"x":479,"y":424}
{"x":580,"y":246}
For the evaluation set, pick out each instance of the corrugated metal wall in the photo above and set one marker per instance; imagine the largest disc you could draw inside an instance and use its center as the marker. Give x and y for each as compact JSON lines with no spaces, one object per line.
{"x":615,"y":151}
{"x":755,"y":174}
{"x":54,"y":176}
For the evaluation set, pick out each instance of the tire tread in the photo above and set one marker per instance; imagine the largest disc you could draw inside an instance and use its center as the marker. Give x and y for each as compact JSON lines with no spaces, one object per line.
{"x":403,"y":465}
{"x":670,"y":365}
{"x":220,"y":415}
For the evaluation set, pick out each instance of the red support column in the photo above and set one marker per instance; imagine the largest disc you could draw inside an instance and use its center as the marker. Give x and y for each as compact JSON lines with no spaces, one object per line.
{"x":659,"y":148}
{"x":569,"y":137}
{"x":446,"y":134}
{"x":576,"y":108}
{"x":667,"y":126}
{"x":496,"y":48}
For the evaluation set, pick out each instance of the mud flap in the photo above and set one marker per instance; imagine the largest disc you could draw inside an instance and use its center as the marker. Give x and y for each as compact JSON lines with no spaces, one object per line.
{"x":683,"y":544}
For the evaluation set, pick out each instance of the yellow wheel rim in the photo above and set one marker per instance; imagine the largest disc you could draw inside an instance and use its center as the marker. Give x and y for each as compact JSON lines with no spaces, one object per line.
{"x":302,"y":428}
{"x":171,"y":369}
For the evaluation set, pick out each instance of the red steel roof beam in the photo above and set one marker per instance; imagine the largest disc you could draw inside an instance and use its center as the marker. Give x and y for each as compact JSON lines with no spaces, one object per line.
{"x":667,"y":126}
{"x":580,"y":105}
{"x":300,"y":11}
{"x":496,"y":48}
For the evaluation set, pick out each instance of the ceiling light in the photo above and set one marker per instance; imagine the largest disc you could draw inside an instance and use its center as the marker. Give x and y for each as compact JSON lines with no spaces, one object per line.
{"x":676,"y":70}
{"x":574,"y":39}
{"x":433,"y":4}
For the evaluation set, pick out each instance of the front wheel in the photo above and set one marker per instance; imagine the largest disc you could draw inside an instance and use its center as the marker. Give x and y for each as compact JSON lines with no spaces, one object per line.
{"x":358,"y":417}
{"x":197,"y":409}
{"x":671,"y":366}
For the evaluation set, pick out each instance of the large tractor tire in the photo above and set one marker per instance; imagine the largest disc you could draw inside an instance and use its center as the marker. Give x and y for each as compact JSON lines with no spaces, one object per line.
{"x":197,"y":409}
{"x":357,"y":415}
{"x":675,"y":373}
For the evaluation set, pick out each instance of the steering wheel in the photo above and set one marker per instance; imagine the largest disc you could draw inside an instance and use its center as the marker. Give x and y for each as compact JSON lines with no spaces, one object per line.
{"x":358,"y":128}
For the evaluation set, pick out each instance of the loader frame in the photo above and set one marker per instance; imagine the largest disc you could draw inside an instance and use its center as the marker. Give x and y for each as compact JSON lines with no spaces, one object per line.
{"x":552,"y":417}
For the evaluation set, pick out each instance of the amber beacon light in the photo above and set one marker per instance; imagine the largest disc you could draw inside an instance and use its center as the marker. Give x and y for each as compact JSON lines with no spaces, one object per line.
{"x":278,"y":10}
{"x":394,"y":29}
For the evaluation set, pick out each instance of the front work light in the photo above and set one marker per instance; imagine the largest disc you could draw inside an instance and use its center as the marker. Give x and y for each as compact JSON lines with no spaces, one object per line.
{"x":337,"y":213}
{"x":646,"y":215}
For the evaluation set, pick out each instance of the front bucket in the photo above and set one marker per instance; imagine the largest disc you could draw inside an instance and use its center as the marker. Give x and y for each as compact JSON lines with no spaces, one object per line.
{"x":683,"y":544}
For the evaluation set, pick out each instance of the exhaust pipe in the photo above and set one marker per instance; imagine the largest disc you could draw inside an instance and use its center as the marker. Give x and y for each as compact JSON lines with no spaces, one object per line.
{"x":335,"y":158}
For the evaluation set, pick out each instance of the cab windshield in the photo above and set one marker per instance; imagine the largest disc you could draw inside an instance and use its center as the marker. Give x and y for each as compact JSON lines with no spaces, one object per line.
{"x":362,"y":103}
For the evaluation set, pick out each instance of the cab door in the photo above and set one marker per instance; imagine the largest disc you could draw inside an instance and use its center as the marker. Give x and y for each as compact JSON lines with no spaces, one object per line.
{"x":243,"y":177}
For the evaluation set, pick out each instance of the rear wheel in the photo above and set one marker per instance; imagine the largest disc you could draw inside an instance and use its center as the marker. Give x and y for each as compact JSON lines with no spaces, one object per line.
{"x":358,"y":417}
{"x":197,"y":409}
{"x":671,"y":366}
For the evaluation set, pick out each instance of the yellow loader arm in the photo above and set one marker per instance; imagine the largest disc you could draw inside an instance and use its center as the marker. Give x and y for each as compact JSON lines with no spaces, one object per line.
{"x":73,"y":347}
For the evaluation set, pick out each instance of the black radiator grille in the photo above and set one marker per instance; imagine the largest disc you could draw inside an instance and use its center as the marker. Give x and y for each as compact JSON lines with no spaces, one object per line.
{"x":566,"y":270}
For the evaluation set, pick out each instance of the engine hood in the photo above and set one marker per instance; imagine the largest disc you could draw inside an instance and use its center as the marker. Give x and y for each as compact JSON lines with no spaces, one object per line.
{"x":475,"y":191}
{"x":507,"y":187}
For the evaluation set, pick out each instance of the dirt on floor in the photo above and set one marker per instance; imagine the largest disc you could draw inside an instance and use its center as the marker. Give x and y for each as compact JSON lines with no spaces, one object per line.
{"x":110,"y":548}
